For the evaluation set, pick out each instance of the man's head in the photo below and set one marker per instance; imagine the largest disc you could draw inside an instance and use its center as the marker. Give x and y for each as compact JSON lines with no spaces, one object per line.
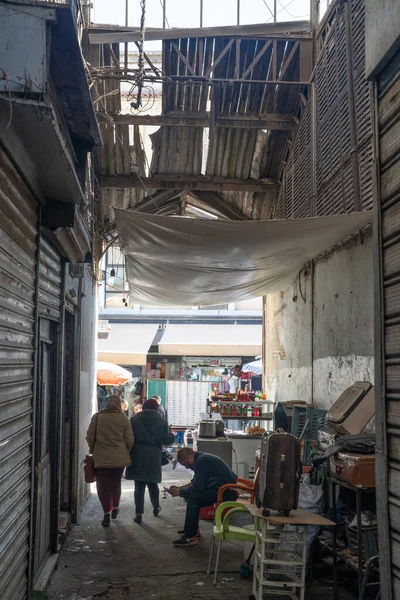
{"x":157,"y":398}
{"x":185,"y":457}
{"x":124,"y":405}
{"x":150,"y":405}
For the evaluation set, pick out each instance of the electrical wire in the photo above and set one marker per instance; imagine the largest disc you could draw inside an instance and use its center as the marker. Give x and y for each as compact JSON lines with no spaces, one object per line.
{"x":265,"y":2}
{"x":284,"y":8}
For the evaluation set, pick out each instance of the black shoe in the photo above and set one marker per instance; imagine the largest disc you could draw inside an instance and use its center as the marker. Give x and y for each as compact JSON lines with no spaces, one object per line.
{"x":106,"y":520}
{"x":115,"y":513}
{"x":138,"y":519}
{"x":182,"y":532}
{"x":183,"y":542}
{"x":156,"y":511}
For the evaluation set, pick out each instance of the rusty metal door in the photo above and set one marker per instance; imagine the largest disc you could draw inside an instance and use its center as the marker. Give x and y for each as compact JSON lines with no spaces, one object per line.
{"x":18,"y":249}
{"x":387,"y":231}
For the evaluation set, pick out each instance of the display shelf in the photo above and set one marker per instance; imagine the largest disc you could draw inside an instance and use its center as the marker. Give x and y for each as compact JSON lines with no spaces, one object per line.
{"x":265,"y":418}
{"x":226,"y":400}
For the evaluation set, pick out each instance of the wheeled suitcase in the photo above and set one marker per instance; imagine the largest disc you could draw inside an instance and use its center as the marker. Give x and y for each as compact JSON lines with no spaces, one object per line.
{"x":280,"y":472}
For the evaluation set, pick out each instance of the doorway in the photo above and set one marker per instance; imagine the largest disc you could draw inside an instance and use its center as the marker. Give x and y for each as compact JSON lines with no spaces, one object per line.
{"x":46,"y":430}
{"x":67,"y":451}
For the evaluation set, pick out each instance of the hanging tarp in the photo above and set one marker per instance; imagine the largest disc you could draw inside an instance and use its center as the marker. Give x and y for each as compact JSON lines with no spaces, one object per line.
{"x":179,"y":261}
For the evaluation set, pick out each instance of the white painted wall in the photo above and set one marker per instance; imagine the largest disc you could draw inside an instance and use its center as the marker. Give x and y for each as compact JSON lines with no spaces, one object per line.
{"x":319,"y":332}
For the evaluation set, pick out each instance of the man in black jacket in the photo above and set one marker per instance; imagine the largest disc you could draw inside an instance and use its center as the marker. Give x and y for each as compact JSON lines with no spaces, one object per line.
{"x":210,"y":473}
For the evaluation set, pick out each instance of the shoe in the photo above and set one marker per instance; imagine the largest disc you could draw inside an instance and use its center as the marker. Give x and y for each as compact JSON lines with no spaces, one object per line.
{"x":138,"y":519}
{"x":182,"y":532}
{"x":183,"y":542}
{"x":106,"y":520}
{"x":115,"y":513}
{"x":156,"y":511}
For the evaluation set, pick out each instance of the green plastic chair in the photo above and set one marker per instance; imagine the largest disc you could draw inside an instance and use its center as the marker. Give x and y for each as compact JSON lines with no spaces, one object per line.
{"x":223,"y":530}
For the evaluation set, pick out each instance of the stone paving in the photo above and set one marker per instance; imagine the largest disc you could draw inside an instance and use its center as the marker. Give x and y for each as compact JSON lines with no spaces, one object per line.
{"x":128,"y":561}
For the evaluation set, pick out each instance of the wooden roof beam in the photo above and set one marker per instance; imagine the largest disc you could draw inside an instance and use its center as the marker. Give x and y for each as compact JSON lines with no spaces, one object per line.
{"x":270,"y":121}
{"x":112,"y":34}
{"x":189,"y":182}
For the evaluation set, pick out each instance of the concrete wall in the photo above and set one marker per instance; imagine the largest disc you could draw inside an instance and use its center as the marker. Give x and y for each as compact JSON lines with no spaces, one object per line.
{"x":382,"y":33}
{"x":85,"y":365}
{"x":319,"y":332}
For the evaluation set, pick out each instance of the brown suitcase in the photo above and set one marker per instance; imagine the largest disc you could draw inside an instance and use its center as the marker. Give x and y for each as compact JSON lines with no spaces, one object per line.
{"x":280,"y":472}
{"x":356,"y":469}
{"x":353,"y":409}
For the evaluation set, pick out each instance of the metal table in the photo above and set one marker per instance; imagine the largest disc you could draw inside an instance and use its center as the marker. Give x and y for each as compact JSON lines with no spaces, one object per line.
{"x":336,"y":481}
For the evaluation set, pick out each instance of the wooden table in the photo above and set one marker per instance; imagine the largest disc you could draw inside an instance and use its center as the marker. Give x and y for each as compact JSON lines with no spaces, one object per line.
{"x":281,"y":553}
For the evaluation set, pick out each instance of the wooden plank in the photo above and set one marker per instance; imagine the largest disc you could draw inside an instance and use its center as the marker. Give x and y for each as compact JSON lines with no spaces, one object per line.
{"x":218,"y":203}
{"x":183,"y":59}
{"x":257,"y":58}
{"x":219,"y":58}
{"x":106,"y":34}
{"x":237,"y":68}
{"x":288,"y":61}
{"x":177,"y":182}
{"x":301,"y":516}
{"x":207,"y":81}
{"x":272,"y":121}
{"x":306,"y":60}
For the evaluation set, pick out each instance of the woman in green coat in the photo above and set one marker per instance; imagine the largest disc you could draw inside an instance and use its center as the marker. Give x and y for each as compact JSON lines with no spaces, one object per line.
{"x":151,"y":433}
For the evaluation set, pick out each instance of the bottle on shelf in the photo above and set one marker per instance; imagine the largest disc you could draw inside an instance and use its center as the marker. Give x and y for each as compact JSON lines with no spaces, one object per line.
{"x":250,"y":411}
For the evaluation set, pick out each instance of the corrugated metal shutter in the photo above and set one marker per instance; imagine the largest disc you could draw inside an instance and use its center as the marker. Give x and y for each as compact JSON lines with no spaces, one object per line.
{"x":389,"y":159}
{"x":18,"y":237}
{"x":49,"y":281}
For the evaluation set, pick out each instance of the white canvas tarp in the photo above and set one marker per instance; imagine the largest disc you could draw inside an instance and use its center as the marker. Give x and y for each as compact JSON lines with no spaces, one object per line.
{"x":179,"y":261}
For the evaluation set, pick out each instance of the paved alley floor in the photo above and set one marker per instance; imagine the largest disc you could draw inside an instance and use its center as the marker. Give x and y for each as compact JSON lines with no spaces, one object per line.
{"x":129,"y":562}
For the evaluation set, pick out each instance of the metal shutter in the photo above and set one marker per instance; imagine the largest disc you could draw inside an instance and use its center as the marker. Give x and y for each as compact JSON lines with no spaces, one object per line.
{"x":18,"y":238}
{"x":49,"y":281}
{"x":388,"y":349}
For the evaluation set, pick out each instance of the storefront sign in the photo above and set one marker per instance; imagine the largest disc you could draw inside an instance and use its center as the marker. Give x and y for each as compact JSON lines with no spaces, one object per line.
{"x":212,"y":361}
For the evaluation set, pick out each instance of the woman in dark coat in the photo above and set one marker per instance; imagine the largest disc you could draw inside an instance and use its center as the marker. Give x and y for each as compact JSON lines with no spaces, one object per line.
{"x":151,"y":433}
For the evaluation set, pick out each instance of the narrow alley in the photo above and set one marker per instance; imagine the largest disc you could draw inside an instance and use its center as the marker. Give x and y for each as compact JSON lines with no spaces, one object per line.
{"x":132,"y":562}
{"x":200,"y":242}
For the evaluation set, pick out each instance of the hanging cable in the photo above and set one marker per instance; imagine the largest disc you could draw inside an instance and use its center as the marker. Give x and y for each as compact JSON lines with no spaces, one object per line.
{"x":138,"y":103}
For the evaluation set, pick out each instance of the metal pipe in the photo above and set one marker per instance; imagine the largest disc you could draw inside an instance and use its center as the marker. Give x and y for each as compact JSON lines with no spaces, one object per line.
{"x":238,"y":12}
{"x":275,"y":11}
{"x":126,"y":43}
{"x":201,"y":13}
{"x":164,"y":13}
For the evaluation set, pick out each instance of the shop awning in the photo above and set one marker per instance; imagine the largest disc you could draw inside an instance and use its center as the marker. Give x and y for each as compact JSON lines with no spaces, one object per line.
{"x":193,"y":262}
{"x":211,"y":340}
{"x":127,"y":343}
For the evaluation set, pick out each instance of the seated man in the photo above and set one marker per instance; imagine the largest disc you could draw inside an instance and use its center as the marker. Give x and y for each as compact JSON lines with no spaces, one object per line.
{"x":210,"y":473}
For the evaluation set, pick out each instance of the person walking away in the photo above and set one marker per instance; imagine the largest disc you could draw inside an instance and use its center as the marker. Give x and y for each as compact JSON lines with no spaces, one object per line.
{"x":161,"y":409}
{"x":151,"y":433}
{"x":110,"y":438}
{"x":210,"y":473}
